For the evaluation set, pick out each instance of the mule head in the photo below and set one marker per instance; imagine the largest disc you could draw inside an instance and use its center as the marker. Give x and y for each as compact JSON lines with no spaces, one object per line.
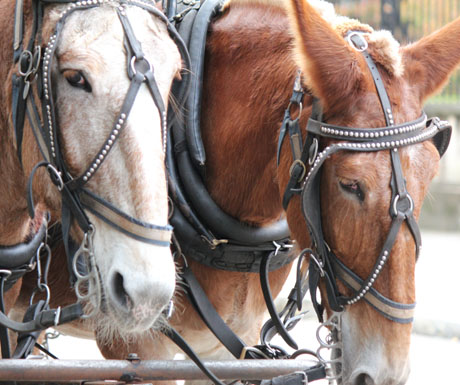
{"x":90,"y":76}
{"x":355,"y":186}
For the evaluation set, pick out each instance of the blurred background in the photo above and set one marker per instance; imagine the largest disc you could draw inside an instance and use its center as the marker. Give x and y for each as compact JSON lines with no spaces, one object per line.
{"x":436,"y":332}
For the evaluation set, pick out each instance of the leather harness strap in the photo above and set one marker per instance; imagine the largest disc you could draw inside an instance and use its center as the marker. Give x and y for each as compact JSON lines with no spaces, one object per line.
{"x":17,"y":258}
{"x":140,"y":71}
{"x":134,"y":228}
{"x":206,"y":233}
{"x":21,"y":254}
{"x":323,"y":262}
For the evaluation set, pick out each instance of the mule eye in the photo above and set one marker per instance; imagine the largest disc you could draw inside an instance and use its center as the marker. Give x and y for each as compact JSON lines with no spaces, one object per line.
{"x":353,"y":187}
{"x":77,"y":79}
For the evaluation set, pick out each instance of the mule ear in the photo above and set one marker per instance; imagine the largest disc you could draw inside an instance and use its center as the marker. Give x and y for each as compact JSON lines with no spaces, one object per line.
{"x":430,"y":61}
{"x":331,"y":68}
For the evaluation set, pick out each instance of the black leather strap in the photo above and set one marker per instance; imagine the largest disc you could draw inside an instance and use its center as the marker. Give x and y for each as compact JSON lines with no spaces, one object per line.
{"x":280,"y":327}
{"x":26,"y":340}
{"x":179,"y":341}
{"x":46,"y":319}
{"x":197,"y":44}
{"x":15,"y":256}
{"x":390,"y":137}
{"x":210,"y":316}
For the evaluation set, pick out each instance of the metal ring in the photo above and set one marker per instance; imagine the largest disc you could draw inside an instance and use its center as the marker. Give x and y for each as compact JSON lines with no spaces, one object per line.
{"x":26,"y":54}
{"x":48,"y":294}
{"x":312,"y":157}
{"x":5,"y":273}
{"x":300,"y":110}
{"x":321,"y":271}
{"x":396,"y":200}
{"x":351,"y":42}
{"x":133,"y":62}
{"x":56,"y":176}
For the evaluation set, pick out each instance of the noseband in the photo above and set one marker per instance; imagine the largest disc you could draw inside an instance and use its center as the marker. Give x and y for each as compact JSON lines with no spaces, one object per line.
{"x":323,"y":262}
{"x":75,"y":197}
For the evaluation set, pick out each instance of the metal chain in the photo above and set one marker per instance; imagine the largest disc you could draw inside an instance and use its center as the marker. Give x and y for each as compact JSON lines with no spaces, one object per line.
{"x":329,"y":336}
{"x":87,"y":286}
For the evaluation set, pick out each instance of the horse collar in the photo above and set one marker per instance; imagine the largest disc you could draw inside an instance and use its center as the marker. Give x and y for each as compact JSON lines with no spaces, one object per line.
{"x":307,"y":184}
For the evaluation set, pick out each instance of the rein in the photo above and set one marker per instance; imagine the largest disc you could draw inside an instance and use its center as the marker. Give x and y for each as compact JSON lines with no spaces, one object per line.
{"x":324,"y":264}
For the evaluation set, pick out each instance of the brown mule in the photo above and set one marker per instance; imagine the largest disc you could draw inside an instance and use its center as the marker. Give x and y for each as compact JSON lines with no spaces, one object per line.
{"x":251,"y":62}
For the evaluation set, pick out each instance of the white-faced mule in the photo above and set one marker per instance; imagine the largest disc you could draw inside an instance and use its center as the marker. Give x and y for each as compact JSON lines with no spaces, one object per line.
{"x":84,"y":107}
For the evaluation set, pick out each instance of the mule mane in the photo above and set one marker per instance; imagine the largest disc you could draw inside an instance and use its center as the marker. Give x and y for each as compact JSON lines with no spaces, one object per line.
{"x":383,"y":47}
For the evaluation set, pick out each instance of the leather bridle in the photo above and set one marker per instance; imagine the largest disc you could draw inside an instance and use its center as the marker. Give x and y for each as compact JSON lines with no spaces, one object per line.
{"x":75,"y":197}
{"x":324,"y":264}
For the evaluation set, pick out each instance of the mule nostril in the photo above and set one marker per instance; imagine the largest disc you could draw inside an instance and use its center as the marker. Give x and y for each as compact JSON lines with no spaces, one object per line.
{"x":119,"y":293}
{"x":364,"y":379}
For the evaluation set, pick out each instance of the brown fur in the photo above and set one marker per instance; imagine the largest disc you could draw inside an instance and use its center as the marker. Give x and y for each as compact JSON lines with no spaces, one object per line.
{"x":248,"y":80}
